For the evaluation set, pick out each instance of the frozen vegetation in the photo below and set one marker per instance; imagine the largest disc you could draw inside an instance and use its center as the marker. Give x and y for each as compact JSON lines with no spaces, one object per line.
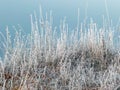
{"x":51,"y":58}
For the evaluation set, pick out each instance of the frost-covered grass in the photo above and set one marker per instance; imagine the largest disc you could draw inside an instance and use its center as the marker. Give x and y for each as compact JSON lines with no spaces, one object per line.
{"x":81,"y":59}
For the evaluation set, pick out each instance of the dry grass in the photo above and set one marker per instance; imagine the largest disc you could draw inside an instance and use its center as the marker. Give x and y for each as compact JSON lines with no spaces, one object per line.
{"x":81,"y":60}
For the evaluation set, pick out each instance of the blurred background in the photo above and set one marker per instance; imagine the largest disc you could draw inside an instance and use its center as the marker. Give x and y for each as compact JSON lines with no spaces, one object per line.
{"x":14,"y":12}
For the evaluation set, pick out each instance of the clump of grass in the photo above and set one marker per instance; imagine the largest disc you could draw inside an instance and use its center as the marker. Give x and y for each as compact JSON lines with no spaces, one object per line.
{"x":82,"y":59}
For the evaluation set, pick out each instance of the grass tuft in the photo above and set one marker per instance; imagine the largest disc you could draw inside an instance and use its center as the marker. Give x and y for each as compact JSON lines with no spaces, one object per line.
{"x":82,"y":59}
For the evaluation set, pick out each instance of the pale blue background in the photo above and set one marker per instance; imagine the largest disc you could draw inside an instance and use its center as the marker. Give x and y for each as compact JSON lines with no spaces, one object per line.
{"x":13,"y":12}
